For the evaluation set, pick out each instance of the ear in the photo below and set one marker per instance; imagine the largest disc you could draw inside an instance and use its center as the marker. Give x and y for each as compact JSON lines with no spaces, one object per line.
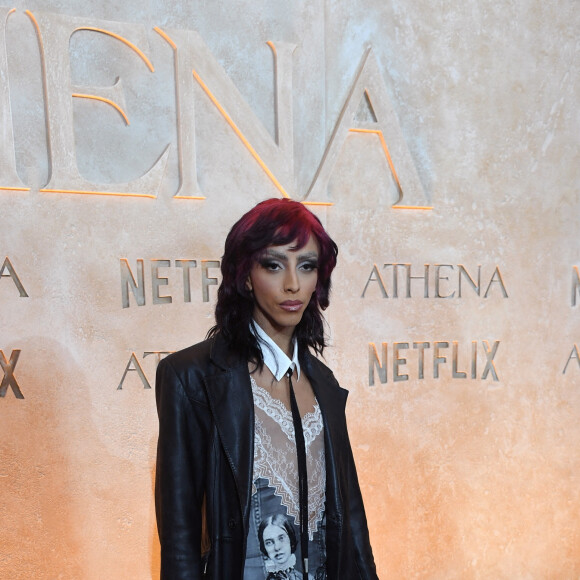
{"x":249,"y":286}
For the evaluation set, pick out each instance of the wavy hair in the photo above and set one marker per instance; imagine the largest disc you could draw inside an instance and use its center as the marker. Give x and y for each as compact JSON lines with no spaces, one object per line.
{"x":274,"y":222}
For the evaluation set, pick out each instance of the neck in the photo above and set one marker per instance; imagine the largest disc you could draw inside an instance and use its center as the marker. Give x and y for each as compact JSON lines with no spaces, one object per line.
{"x":282,"y":336}
{"x":284,"y":341}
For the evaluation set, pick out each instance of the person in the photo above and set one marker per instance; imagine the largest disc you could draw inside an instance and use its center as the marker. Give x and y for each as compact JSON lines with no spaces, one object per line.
{"x":278,"y":545}
{"x":252,"y":422}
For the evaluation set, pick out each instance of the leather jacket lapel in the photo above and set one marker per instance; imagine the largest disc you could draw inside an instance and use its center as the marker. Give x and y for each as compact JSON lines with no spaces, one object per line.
{"x":332,"y":402}
{"x":230,"y":398}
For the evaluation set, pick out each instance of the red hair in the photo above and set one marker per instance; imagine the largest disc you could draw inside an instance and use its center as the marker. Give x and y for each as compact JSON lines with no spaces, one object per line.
{"x":274,"y":222}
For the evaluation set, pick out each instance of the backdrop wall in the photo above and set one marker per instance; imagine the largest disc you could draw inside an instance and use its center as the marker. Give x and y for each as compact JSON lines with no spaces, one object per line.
{"x":437,"y":142}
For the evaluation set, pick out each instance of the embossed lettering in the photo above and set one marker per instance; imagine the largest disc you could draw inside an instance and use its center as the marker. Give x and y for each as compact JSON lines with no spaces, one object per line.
{"x":425,"y":278}
{"x":440,"y":281}
{"x":375,"y":276}
{"x":575,"y":284}
{"x":128,"y":282}
{"x":457,"y":374}
{"x":380,"y":364}
{"x":496,"y":279}
{"x":207,"y":281}
{"x":9,"y":380}
{"x":464,"y":274}
{"x":369,"y":84}
{"x":134,"y":366}
{"x":195,"y":66}
{"x":157,"y":281}
{"x":474,"y":359}
{"x":489,"y":364}
{"x":7,"y":265}
{"x":574,"y":354}
{"x":399,"y":361}
{"x":439,"y":277}
{"x":135,"y":284}
{"x":439,"y":360}
{"x":10,"y":178}
{"x":420,"y":347}
{"x":55,"y":31}
{"x":186,"y":265}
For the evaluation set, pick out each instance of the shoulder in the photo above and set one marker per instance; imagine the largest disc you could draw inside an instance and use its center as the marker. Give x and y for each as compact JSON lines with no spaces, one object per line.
{"x":320,"y":372}
{"x":197,"y":355}
{"x":211,"y":356}
{"x":190,"y":370}
{"x":314,"y":364}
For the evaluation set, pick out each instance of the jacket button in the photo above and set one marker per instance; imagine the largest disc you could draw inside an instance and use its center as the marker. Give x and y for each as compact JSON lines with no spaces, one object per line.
{"x":232,"y":524}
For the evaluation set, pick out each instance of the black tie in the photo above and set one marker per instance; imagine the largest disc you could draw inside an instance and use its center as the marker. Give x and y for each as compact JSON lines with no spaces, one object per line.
{"x":302,"y":475}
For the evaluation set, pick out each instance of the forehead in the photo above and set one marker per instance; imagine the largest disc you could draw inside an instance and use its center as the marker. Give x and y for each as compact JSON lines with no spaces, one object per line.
{"x":271,"y":531}
{"x":310,"y":247}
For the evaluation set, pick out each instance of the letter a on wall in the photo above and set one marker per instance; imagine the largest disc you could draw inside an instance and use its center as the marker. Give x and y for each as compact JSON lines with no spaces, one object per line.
{"x":369,"y":84}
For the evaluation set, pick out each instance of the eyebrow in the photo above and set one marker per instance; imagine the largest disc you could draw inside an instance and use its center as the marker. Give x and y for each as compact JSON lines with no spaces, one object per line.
{"x":283,"y":257}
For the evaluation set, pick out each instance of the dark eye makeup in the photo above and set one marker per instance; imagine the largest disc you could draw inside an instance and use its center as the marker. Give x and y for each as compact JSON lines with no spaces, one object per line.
{"x":269,"y":264}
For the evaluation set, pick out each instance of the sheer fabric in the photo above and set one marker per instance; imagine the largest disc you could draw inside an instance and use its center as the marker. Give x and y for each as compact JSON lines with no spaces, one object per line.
{"x":272,"y":552}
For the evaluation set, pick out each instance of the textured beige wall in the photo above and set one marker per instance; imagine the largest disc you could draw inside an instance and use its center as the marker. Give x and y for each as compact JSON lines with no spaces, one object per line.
{"x":478,"y":103}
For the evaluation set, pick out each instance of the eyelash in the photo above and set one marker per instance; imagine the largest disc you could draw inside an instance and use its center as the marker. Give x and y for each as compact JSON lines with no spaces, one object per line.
{"x":270,"y":265}
{"x":275,"y":266}
{"x":309,"y":266}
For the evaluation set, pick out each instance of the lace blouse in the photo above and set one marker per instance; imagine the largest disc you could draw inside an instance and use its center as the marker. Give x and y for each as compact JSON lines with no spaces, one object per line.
{"x":272,"y":552}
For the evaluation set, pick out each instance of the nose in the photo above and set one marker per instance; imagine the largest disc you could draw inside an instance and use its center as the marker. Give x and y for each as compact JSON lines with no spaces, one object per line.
{"x":291,"y":281}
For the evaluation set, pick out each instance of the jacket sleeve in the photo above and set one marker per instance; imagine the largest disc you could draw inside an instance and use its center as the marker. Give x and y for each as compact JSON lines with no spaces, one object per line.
{"x":364,"y":559}
{"x":179,"y":477}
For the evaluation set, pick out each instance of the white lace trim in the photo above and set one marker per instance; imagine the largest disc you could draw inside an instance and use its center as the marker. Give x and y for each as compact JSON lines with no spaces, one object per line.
{"x":275,"y":455}
{"x":275,"y":409}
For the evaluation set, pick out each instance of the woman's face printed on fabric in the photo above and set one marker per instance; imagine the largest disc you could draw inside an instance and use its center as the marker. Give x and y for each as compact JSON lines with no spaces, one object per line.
{"x":277,"y":544}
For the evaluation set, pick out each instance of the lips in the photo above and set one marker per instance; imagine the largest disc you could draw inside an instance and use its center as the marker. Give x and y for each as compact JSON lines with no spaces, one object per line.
{"x":291,"y":305}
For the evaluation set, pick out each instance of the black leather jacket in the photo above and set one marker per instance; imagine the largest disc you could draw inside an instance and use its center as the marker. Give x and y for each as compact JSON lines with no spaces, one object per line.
{"x":205,"y":461}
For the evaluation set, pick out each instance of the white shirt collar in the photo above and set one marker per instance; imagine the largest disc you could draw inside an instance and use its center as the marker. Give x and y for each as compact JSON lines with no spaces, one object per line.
{"x":274,"y":357}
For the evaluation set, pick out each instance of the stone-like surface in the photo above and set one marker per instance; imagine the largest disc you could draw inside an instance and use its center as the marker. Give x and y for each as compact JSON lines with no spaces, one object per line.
{"x":463,"y":478}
